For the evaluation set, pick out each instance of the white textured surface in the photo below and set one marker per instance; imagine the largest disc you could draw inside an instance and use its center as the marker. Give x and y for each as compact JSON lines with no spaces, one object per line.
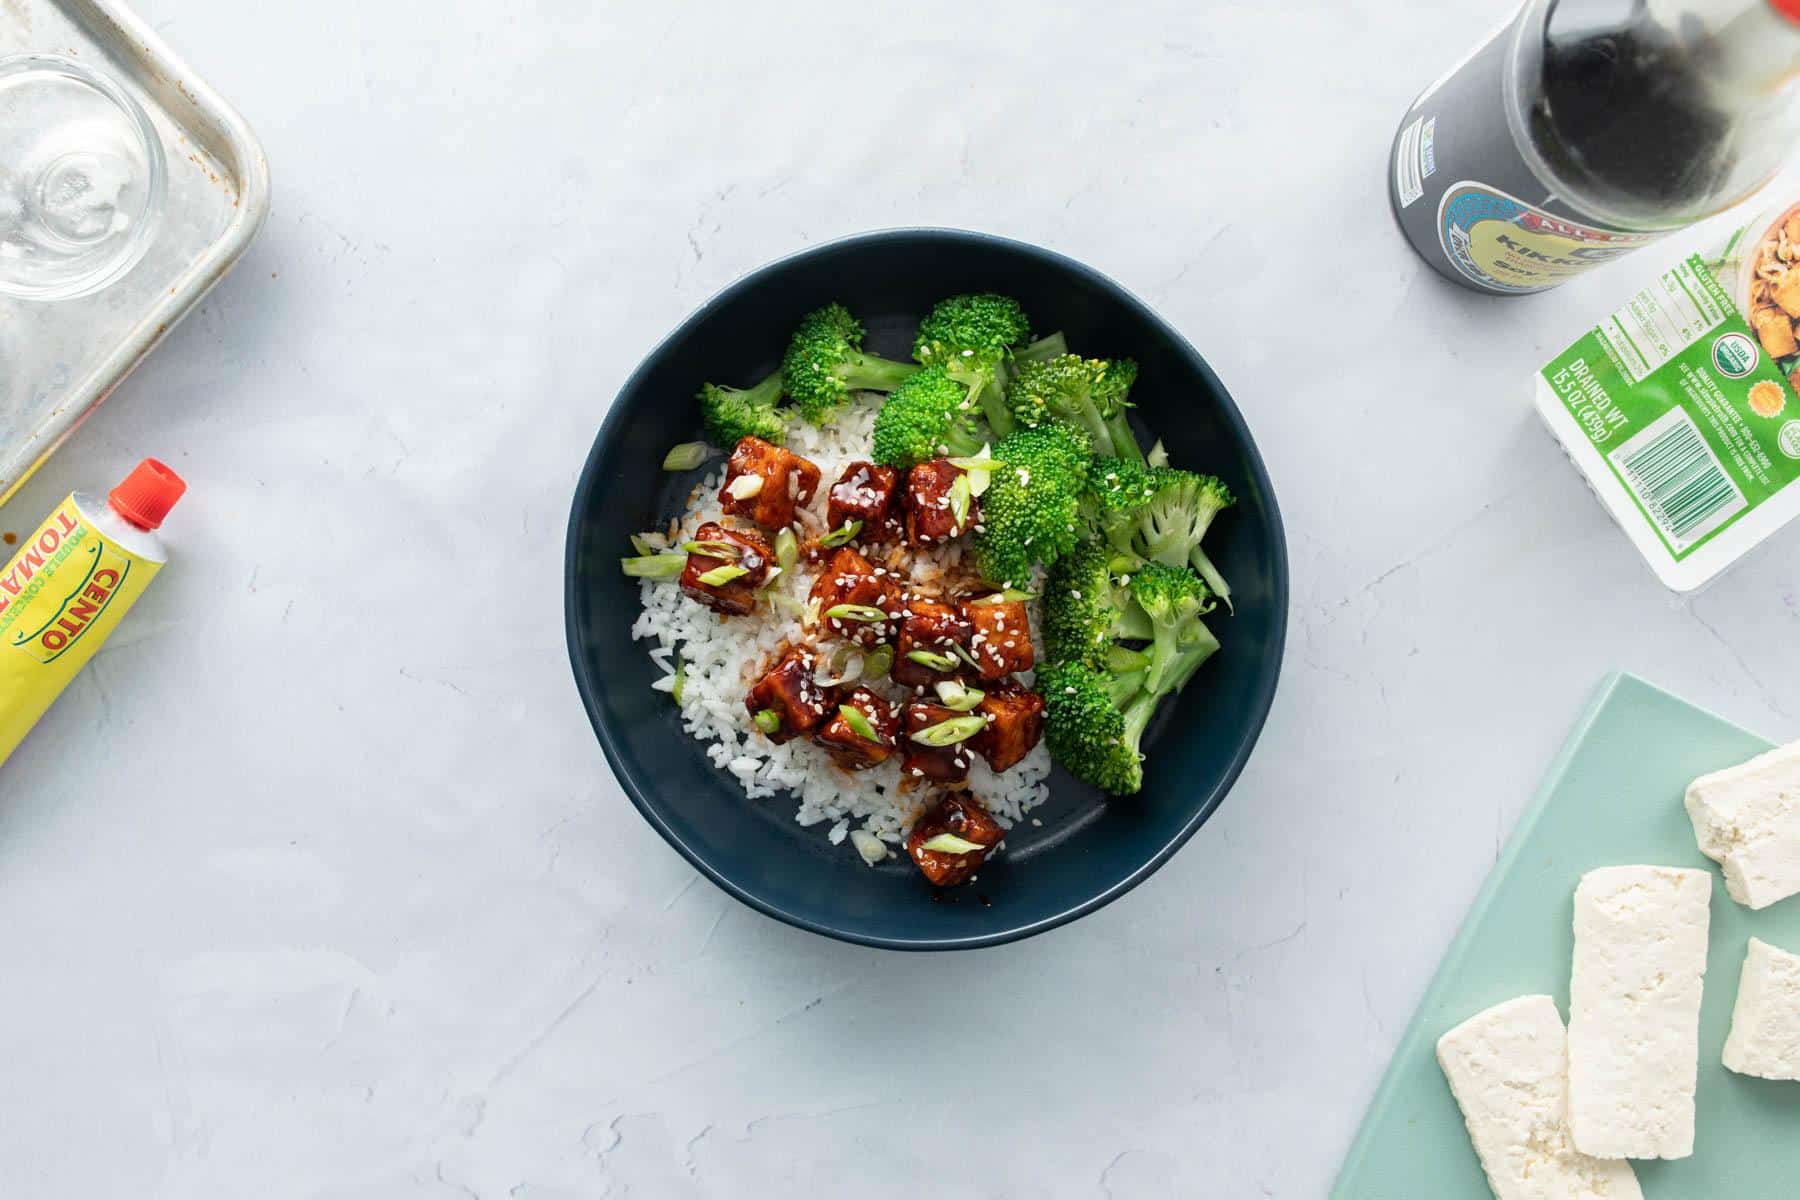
{"x":317,"y":885}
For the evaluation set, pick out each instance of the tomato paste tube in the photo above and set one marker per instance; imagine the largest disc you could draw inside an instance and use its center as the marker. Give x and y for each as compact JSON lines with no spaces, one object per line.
{"x":71,"y":583}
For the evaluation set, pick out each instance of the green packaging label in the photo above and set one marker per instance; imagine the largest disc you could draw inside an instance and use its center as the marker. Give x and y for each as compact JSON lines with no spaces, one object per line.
{"x":1690,"y":415}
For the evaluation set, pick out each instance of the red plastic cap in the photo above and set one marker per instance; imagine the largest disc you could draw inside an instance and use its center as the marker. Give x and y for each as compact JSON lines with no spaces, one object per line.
{"x":1787,"y":8}
{"x":147,"y":494}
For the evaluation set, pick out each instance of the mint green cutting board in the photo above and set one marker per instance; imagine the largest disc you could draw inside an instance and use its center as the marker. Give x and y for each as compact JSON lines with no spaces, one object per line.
{"x":1612,"y":797}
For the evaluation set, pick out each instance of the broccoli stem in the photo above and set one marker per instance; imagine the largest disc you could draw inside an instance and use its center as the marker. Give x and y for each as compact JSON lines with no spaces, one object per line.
{"x":1124,"y":442}
{"x":872,"y":373}
{"x":1203,"y":566}
{"x":1137,"y":719}
{"x":1197,"y":645}
{"x":1122,"y":688}
{"x":1050,"y":346}
{"x":1089,"y":420}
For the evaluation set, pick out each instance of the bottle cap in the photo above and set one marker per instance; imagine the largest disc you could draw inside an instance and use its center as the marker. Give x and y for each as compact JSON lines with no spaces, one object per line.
{"x":1787,"y":8}
{"x":147,"y":494}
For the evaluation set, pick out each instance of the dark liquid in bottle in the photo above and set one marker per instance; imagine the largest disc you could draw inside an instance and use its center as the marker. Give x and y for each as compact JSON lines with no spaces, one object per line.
{"x":1625,"y":114}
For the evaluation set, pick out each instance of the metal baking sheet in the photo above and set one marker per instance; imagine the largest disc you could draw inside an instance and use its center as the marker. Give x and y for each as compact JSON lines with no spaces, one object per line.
{"x":59,"y":360}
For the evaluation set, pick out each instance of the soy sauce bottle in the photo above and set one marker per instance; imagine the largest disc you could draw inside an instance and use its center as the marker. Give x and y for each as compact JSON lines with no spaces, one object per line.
{"x":1585,"y":128}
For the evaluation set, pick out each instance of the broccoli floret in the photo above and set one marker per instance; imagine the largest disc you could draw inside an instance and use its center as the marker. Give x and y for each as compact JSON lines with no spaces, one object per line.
{"x":1119,"y":489}
{"x":825,"y":362}
{"x":1175,"y":601}
{"x":1088,"y":393}
{"x":1031,"y":511}
{"x":973,"y":337}
{"x":733,"y":414}
{"x":928,"y":416}
{"x":1093,"y":722}
{"x":1179,"y":513}
{"x":1087,"y":612}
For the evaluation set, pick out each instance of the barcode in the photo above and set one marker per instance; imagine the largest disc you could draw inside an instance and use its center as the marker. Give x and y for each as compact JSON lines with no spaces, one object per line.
{"x":1678,"y":479}
{"x":1407,"y":181}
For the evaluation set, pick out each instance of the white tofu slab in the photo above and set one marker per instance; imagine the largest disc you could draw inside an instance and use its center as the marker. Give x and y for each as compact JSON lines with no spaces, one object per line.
{"x":1634,"y":1010}
{"x":1508,"y":1069}
{"x":1747,"y":819}
{"x":1765,"y":1024}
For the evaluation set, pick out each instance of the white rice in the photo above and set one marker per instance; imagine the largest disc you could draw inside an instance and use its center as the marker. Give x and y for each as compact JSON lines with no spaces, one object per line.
{"x":723,"y":658}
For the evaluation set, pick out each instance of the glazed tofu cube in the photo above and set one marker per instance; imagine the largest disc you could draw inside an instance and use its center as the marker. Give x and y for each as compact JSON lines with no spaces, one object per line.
{"x":767,"y":483}
{"x":958,"y":815}
{"x":726,"y":548}
{"x":849,"y":747}
{"x":931,"y":504}
{"x":793,"y":695}
{"x":1775,"y":330}
{"x":864,"y":492}
{"x":933,"y":627}
{"x":1002,"y":640}
{"x":1015,"y":718}
{"x":935,"y":764}
{"x":1787,"y":292}
{"x":850,"y":579}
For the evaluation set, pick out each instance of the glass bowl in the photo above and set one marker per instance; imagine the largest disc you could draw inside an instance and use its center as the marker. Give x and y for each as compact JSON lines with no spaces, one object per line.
{"x":82,"y":177}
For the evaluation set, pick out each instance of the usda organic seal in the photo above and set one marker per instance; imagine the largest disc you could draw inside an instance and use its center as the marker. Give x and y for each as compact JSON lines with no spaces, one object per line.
{"x":1735,"y":355}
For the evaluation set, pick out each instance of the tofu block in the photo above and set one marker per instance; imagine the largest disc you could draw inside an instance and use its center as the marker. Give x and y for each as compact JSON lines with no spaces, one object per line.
{"x":1634,"y":1010}
{"x":1765,"y":1025}
{"x":1747,"y":819}
{"x":1508,"y":1069}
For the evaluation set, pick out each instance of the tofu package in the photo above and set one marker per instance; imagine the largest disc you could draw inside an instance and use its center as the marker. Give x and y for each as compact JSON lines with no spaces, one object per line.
{"x":1681,"y":409}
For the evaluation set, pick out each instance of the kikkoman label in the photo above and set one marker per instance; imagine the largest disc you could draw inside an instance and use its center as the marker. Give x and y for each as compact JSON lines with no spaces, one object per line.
{"x":1504,"y":243}
{"x":60,"y":596}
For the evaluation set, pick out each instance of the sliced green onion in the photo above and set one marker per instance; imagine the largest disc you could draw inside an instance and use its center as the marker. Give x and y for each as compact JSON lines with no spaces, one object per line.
{"x":937,"y":662}
{"x":955,"y":695}
{"x":787,"y":548}
{"x":642,"y":546}
{"x":1120,"y":660}
{"x":1009,"y":596}
{"x":786,"y":603}
{"x":654,"y":566}
{"x":841,"y":535}
{"x":720,"y":576}
{"x":964,"y":655}
{"x":844,"y":666}
{"x":878,"y":662}
{"x":950,"y":732}
{"x":686,"y":456}
{"x":729,"y":550}
{"x":855,"y":612}
{"x":981,"y":467}
{"x":872,"y":849}
{"x":769,"y":721}
{"x":959,"y":499}
{"x":858,"y":723}
{"x":949,"y":843}
{"x":680,"y":680}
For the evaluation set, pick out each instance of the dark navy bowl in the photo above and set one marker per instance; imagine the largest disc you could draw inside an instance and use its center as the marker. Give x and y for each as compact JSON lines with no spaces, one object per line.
{"x":1089,"y":850}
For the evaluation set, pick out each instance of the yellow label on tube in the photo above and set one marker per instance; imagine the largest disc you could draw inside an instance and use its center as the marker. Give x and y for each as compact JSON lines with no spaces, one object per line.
{"x":61,"y":596}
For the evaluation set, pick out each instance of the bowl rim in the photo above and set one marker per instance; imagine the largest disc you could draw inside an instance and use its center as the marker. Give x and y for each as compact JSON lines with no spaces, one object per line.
{"x":1260,"y":701}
